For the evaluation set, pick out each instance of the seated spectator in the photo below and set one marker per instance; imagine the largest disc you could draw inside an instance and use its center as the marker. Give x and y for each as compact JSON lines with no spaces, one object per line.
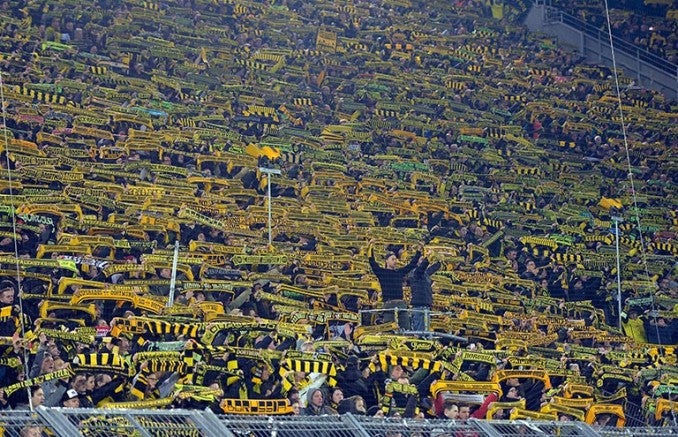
{"x":316,"y":404}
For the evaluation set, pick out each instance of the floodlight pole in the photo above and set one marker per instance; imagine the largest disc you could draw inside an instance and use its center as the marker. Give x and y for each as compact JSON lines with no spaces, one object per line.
{"x":269,"y":172}
{"x":619,"y":294}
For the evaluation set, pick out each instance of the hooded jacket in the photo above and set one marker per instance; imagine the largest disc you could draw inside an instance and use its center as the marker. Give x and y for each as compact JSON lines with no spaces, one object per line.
{"x":312,"y":410}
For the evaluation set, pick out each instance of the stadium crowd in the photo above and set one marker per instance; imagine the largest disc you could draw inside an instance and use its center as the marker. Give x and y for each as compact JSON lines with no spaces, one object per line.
{"x":436,"y":159}
{"x":649,"y":24}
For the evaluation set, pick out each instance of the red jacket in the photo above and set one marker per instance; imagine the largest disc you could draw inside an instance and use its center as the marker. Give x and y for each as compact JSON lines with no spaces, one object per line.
{"x":482,"y":411}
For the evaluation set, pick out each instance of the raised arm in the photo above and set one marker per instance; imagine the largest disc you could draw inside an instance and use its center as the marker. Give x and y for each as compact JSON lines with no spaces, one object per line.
{"x":370,"y":253}
{"x":433,"y":268}
{"x":413,"y":262}
{"x":421,"y":267}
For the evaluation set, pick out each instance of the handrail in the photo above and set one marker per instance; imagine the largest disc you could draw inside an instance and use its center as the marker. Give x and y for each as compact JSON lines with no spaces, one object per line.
{"x":556,"y":15}
{"x":99,"y":422}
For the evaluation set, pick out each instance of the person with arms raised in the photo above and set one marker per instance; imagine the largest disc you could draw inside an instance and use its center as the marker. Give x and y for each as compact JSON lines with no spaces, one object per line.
{"x":391,"y":281}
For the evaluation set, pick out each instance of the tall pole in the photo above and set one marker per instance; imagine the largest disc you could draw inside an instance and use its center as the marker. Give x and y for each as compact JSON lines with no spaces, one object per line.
{"x":619,"y":295}
{"x":269,"y":172}
{"x":173,"y":281}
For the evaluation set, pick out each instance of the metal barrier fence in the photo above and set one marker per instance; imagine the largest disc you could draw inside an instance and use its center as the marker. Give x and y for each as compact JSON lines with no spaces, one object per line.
{"x":100,"y":422}
{"x":619,"y":43}
{"x":71,"y":422}
{"x":13,"y":422}
{"x":407,"y":313}
{"x":635,"y":414}
{"x":555,"y":15}
{"x":637,"y":432}
{"x":644,"y":67}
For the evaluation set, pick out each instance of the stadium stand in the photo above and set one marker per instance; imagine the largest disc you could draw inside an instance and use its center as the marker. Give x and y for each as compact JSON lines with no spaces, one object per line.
{"x":136,"y":205}
{"x":649,"y":24}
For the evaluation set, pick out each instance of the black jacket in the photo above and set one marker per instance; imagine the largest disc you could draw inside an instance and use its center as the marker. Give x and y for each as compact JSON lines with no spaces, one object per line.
{"x":391,"y":281}
{"x":420,"y":283}
{"x":352,"y":382}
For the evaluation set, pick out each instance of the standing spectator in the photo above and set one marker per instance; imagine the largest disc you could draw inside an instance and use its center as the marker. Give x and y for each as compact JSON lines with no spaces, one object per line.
{"x":55,"y":388}
{"x":450,"y":410}
{"x":352,"y":379}
{"x":31,"y":431}
{"x":70,"y":399}
{"x":8,"y":324}
{"x":20,"y":398}
{"x":634,"y":326}
{"x":391,"y":283}
{"x":37,"y":396}
{"x":44,"y":360}
{"x":481,"y":411}
{"x":659,"y":331}
{"x":422,"y":293}
{"x":464,"y":412}
{"x":79,"y":384}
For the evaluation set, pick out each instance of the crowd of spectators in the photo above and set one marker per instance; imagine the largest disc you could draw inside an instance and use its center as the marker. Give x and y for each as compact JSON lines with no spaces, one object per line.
{"x":420,"y":132}
{"x":651,"y":25}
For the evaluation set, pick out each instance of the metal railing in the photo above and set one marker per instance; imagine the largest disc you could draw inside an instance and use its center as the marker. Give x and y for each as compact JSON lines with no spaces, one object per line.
{"x":554,"y":15}
{"x":12,"y":423}
{"x":646,"y":431}
{"x":635,"y":414}
{"x":70,"y":422}
{"x":427,"y":314}
{"x":100,"y":422}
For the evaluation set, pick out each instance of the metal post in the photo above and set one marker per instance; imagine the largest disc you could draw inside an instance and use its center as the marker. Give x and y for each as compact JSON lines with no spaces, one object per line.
{"x":484,"y":427}
{"x":212,"y":426}
{"x":268,"y":177}
{"x":269,"y":172}
{"x":357,"y":426}
{"x":428,"y":332}
{"x":619,"y":296}
{"x":173,"y":281}
{"x":57,"y":421}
